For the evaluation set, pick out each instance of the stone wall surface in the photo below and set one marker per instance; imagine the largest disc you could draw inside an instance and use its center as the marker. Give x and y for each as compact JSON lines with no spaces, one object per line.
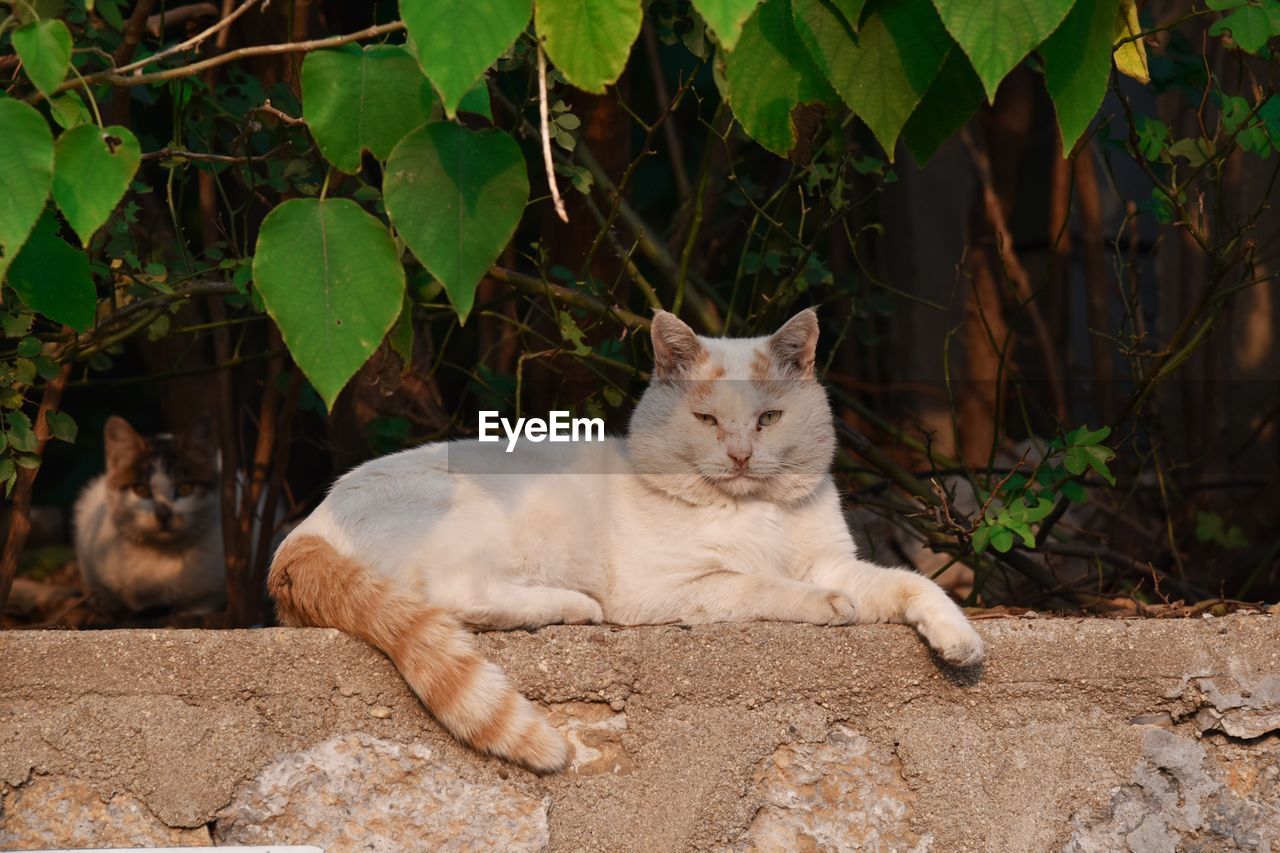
{"x":1079,"y":735}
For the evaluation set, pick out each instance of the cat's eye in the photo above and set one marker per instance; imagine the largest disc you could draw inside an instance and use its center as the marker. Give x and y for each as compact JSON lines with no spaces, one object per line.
{"x":770,"y":417}
{"x":142,"y":490}
{"x":185,"y":489}
{"x":709,"y":420}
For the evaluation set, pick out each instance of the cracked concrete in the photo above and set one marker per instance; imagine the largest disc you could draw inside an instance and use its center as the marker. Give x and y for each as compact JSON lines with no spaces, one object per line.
{"x":1076,"y":732}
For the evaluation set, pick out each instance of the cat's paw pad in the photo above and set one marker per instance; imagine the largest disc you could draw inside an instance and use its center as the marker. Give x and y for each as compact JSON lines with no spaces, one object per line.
{"x":956,"y":641}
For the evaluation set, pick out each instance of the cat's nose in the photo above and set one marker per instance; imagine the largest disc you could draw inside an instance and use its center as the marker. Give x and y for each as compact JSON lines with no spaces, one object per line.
{"x":164,"y":514}
{"x":740,"y":457}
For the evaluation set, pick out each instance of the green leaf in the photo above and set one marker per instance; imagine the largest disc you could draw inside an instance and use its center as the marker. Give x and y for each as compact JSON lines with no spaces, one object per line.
{"x":1083,"y":436}
{"x":884,"y":70}
{"x":331,"y":278}
{"x":769,"y":74}
{"x":1043,"y":507}
{"x":52,"y":277}
{"x":588,"y":40}
{"x":726,"y":17}
{"x":401,"y":335}
{"x":1097,"y":458}
{"x":1152,"y":134}
{"x":1074,"y":492}
{"x":26,"y":175}
{"x":1002,"y":539}
{"x":8,"y":474}
{"x":947,"y":106}
{"x":981,"y":539}
{"x":29,"y":347}
{"x":92,"y":170}
{"x":21,"y":436}
{"x":998,"y":34}
{"x":1252,"y":23}
{"x":1077,"y":63}
{"x":1195,"y":150}
{"x":1022,"y":529}
{"x":477,"y":101}
{"x":27,"y":460}
{"x":1076,"y":460}
{"x":572,"y":334}
{"x":45,"y":50}
{"x":456,"y":196}
{"x":69,"y":111}
{"x":456,"y":40}
{"x":61,"y":426}
{"x":363,"y":99}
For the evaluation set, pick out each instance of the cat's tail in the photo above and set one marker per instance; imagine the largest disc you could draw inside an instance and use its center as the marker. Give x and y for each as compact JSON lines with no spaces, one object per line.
{"x":315,"y":585}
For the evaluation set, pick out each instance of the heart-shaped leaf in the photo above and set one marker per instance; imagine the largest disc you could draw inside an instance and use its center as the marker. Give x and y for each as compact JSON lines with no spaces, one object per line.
{"x":726,"y":17}
{"x":331,"y":279}
{"x":53,"y":278}
{"x":588,"y":40}
{"x":998,"y":34}
{"x":92,"y":169}
{"x":26,"y":175}
{"x":884,"y":70}
{"x":69,"y":111}
{"x":1077,"y":63}
{"x":366,"y":99}
{"x":456,"y":196}
{"x":952,"y":98}
{"x":45,"y":50}
{"x":456,"y":40}
{"x":768,"y":74}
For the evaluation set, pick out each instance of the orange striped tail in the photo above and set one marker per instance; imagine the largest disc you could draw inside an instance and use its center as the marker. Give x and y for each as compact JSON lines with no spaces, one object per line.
{"x":313,"y":584}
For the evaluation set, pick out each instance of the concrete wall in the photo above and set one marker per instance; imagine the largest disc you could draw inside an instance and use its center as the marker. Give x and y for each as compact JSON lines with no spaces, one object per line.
{"x":1078,"y":734}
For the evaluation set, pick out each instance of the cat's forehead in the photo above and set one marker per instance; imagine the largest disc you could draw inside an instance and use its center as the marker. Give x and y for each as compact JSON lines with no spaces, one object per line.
{"x":741,"y":359}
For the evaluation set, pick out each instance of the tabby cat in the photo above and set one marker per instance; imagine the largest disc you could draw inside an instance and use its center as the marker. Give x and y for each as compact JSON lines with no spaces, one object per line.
{"x":149,"y":531}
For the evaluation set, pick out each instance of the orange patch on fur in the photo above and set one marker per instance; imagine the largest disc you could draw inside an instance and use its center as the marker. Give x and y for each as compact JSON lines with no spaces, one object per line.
{"x":313,"y":584}
{"x":761,"y":366}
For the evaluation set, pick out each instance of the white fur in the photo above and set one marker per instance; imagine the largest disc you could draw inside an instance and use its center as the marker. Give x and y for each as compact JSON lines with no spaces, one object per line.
{"x":650,"y":529}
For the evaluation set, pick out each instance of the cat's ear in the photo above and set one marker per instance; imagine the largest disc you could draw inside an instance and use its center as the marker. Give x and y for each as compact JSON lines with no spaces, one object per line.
{"x":794,"y":345}
{"x":199,"y":434}
{"x":197,"y":445}
{"x":123,"y":444}
{"x":676,"y":349}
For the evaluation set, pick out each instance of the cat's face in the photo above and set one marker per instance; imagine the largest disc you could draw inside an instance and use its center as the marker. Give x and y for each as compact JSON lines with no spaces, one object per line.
{"x":164,"y":489}
{"x":733,"y":418}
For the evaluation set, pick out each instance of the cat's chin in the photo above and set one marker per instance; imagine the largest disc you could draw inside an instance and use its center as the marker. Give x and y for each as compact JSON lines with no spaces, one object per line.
{"x":739,"y":485}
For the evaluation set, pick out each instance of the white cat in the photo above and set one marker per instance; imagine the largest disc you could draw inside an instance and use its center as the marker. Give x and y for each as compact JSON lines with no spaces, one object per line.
{"x":149,"y":531}
{"x":718,"y":506}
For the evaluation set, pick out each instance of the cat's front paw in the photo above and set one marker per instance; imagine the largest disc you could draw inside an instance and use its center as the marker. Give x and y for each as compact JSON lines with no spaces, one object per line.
{"x":582,"y":610}
{"x":827,"y":607}
{"x":955,"y":640}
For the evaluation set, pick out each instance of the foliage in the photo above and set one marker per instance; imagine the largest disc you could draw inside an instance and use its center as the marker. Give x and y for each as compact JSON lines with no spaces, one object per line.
{"x":405,"y":177}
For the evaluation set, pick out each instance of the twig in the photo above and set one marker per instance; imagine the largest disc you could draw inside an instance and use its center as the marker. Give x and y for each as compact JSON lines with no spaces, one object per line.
{"x":278,"y":113}
{"x":156,"y":24}
{"x":211,"y":158}
{"x":192,"y":42}
{"x":126,"y":80}
{"x":275,"y":486}
{"x":546,"y":136}
{"x":20,"y":514}
{"x":568,"y":296}
{"x":133,"y":30}
{"x":664,"y":97}
{"x":1016,"y":272}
